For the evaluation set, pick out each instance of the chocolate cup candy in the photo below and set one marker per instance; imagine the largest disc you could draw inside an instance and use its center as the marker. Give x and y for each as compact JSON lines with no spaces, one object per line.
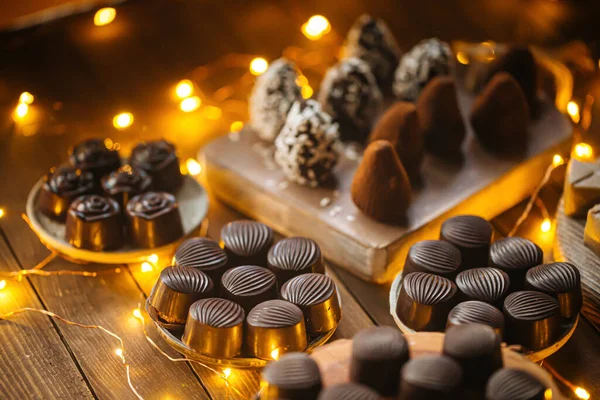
{"x":345,"y":391}
{"x":203,"y":254}
{"x":160,"y":161}
{"x":248,"y":286}
{"x":430,"y":377}
{"x":560,"y":280}
{"x":125,"y":183}
{"x":154,"y":219}
{"x":95,"y":156}
{"x":294,"y":376}
{"x":484,"y":284}
{"x":509,"y":384}
{"x":515,"y":255}
{"x":472,"y":236}
{"x":476,"y":312}
{"x":246,"y":242}
{"x":94,"y":223}
{"x":433,"y":256}
{"x":294,"y":256}
{"x":60,"y":187}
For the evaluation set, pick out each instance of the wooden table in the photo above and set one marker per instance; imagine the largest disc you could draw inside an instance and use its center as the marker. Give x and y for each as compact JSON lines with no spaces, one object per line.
{"x":82,"y":76}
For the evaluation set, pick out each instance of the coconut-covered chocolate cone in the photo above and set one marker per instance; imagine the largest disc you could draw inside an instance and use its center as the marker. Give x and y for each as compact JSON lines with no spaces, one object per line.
{"x":399,"y":125}
{"x":441,"y":122}
{"x":500,"y":116}
{"x":380,"y":187}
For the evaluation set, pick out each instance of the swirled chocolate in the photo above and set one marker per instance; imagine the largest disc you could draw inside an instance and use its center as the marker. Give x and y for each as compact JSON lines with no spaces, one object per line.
{"x":430,"y":377}
{"x":515,"y":255}
{"x":249,"y":285}
{"x":348,"y":391}
{"x":433,"y":256}
{"x":125,"y":183}
{"x":203,"y":254}
{"x":560,"y":280}
{"x":176,"y":290}
{"x":160,"y":161}
{"x":484,"y":284}
{"x":154,"y":219}
{"x":316,"y":295}
{"x":246,"y":242}
{"x":375,"y":350}
{"x":61,"y":186}
{"x":214,"y":327}
{"x":294,"y":256}
{"x":510,"y":384}
{"x":294,"y":376}
{"x":472,"y":236}
{"x":94,"y":156}
{"x":532,"y":319}
{"x":94,"y":223}
{"x":425,"y":301}
{"x":476,"y":312}
{"x":275,"y":327}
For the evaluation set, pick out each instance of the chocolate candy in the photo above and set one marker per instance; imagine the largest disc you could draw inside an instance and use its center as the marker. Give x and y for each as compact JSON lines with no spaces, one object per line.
{"x":275,"y":327}
{"x":203,"y":254}
{"x":476,"y":348}
{"x":515,"y":255}
{"x":316,"y":295}
{"x":378,"y":354}
{"x":430,"y":377}
{"x":61,"y":186}
{"x":94,"y":223}
{"x":582,"y":187}
{"x":591,"y":234}
{"x":176,"y":290}
{"x":511,"y":384}
{"x":560,"y":280}
{"x":348,"y":391}
{"x":214,"y":327}
{"x":476,"y":312}
{"x":248,"y":285}
{"x":489,"y":285}
{"x":425,"y":301}
{"x":472,"y":236}
{"x":125,"y":183}
{"x":246,"y":242}
{"x":295,"y":256}
{"x":154,"y":219}
{"x":160,"y":161}
{"x":294,"y":376}
{"x":532,"y":319}
{"x":95,"y":156}
{"x":433,"y":256}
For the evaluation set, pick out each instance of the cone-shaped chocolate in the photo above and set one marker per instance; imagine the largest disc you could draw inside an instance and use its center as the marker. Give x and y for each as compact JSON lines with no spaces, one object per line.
{"x":440,"y":119}
{"x":380,"y":187}
{"x":399,"y":125}
{"x":500,"y":116}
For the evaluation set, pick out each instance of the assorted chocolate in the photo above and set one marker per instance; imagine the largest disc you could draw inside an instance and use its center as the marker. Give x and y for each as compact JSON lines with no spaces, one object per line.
{"x":433,"y":256}
{"x":294,"y":376}
{"x":95,"y":156}
{"x":94,"y":223}
{"x":510,"y":384}
{"x":60,"y":187}
{"x":248,"y":286}
{"x":159,"y":160}
{"x":125,"y":183}
{"x":515,"y":256}
{"x":246,"y":242}
{"x":348,"y":391}
{"x":203,"y":254}
{"x":295,"y":256}
{"x":430,"y":377}
{"x":490,"y":285}
{"x":476,"y":312}
{"x":472,"y":236}
{"x":560,"y":280}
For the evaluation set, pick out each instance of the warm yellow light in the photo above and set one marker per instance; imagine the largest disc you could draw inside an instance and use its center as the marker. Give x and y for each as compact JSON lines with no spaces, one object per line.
{"x":1,"y":213}
{"x":301,"y":80}
{"x":123,"y":120}
{"x":546,"y":225}
{"x":583,"y":150}
{"x":190,"y":104}
{"x":258,"y":66}
{"x":462,"y":58}
{"x":236,"y":126}
{"x":119,"y":352}
{"x":306,"y":91}
{"x":104,"y":16}
{"x":582,"y":393}
{"x":184,"y":88}
{"x":137,"y":313}
{"x":316,"y":27}
{"x":153,"y":258}
{"x":193,"y":167}
{"x":147,"y":267}
{"x":26,"y":98}
{"x":212,"y":112}
{"x":275,"y":354}
{"x":2,"y":284}
{"x":226,"y":372}
{"x":573,"y":110}
{"x":108,"y":143}
{"x":22,"y":110}
{"x":557,"y":160}
{"x":548,"y":394}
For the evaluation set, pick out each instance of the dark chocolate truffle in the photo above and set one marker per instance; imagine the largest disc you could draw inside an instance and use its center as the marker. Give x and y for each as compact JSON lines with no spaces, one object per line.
{"x":532,"y":319}
{"x":94,"y":223}
{"x":582,"y":187}
{"x":378,"y":355}
{"x":489,"y":285}
{"x":515,"y":255}
{"x":61,"y":186}
{"x":433,"y":256}
{"x":203,"y":254}
{"x":500,"y":116}
{"x":472,"y":236}
{"x":159,"y":160}
{"x":294,"y":376}
{"x":380,"y":187}
{"x":477,"y":312}
{"x":440,"y":119}
{"x":246,"y":242}
{"x":560,"y":280}
{"x":154,"y":219}
{"x":348,"y":391}
{"x":295,"y":256}
{"x":513,"y":384}
{"x":430,"y":377}
{"x":425,"y":301}
{"x":95,"y":156}
{"x":125,"y":183}
{"x":248,"y":285}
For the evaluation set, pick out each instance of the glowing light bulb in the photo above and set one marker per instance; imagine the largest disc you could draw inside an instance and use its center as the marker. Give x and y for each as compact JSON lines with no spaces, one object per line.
{"x":582,"y":393}
{"x":275,"y":354}
{"x":546,"y":225}
{"x":557,"y":160}
{"x":2,"y":284}
{"x":137,"y":313}
{"x":212,"y":112}
{"x":22,"y":110}
{"x":104,"y":16}
{"x":119,"y":352}
{"x":306,"y":91}
{"x":316,"y":27}
{"x":258,"y":66}
{"x":462,"y":58}
{"x":26,"y":98}
{"x":123,"y":120}
{"x":147,"y":267}
{"x":153,"y":258}
{"x":193,"y":167}
{"x":1,"y":212}
{"x":190,"y":104}
{"x":226,"y":372}
{"x":573,"y":111}
{"x":184,"y":88}
{"x":548,"y":394}
{"x":583,"y":151}
{"x":236,"y":126}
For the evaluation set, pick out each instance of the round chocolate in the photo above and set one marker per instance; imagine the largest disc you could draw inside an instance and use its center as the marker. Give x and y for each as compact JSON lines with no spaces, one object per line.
{"x":154,"y":219}
{"x":125,"y":183}
{"x":160,"y":161}
{"x":532,"y":319}
{"x":248,"y":285}
{"x":203,"y":254}
{"x":294,"y":256}
{"x":348,"y":391}
{"x":214,"y":327}
{"x":560,"y":280}
{"x":430,"y":377}
{"x":433,"y":256}
{"x":94,"y":223}
{"x":472,"y":236}
{"x":515,"y":255}
{"x":316,"y":295}
{"x":378,"y":355}
{"x":489,"y":285}
{"x":513,"y":384}
{"x":476,"y":312}
{"x":95,"y":156}
{"x":294,"y":376}
{"x":246,"y":242}
{"x":425,"y":301}
{"x":61,"y":186}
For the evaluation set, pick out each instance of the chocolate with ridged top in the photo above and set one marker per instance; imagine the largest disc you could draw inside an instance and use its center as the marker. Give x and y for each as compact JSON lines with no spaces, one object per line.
{"x":433,"y":256}
{"x":203,"y":254}
{"x":248,"y":285}
{"x":348,"y":391}
{"x":472,"y":236}
{"x":560,"y":280}
{"x":125,"y":183}
{"x":246,"y":242}
{"x":154,"y":219}
{"x":476,"y":312}
{"x":94,"y":223}
{"x":159,"y":160}
{"x":61,"y":186}
{"x":378,"y":355}
{"x":294,"y":256}
{"x":430,"y":377}
{"x":95,"y":156}
{"x":515,"y":255}
{"x":294,"y":376}
{"x":513,"y":384}
{"x":484,"y":284}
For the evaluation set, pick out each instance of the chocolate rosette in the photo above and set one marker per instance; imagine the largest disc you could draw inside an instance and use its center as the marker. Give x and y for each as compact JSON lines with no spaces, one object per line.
{"x":126,"y":183}
{"x":160,"y":161}
{"x":95,"y":156}
{"x":154,"y":219}
{"x":61,"y":186}
{"x":94,"y":223}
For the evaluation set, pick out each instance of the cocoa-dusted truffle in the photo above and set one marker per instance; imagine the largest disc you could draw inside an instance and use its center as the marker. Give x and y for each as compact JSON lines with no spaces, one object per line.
{"x":426,"y":60}
{"x":294,"y":376}
{"x":95,"y":156}
{"x":582,"y":187}
{"x":61,"y":186}
{"x":511,"y":384}
{"x":304,"y":148}
{"x":430,"y":377}
{"x":154,"y":219}
{"x":500,"y":116}
{"x":489,"y":285}
{"x":477,"y":312}
{"x":399,"y":125}
{"x":515,"y":255}
{"x":159,"y":160}
{"x":440,"y":118}
{"x":436,"y":257}
{"x":248,"y":285}
{"x":348,"y":391}
{"x":203,"y":254}
{"x":246,"y":242}
{"x":294,"y":256}
{"x":560,"y":280}
{"x":472,"y":236}
{"x":125,"y":183}
{"x":349,"y":93}
{"x":94,"y":223}
{"x":380,"y":187}
{"x":272,"y":96}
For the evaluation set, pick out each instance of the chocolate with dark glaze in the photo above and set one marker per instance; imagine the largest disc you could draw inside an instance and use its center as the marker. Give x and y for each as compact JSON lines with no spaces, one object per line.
{"x":94,"y":223}
{"x":510,"y":384}
{"x":61,"y":186}
{"x":248,"y":286}
{"x":560,"y":280}
{"x":294,"y":376}
{"x":515,"y":255}
{"x":294,"y":256}
{"x":490,"y":285}
{"x":154,"y":219}
{"x":125,"y":183}
{"x":430,"y":377}
{"x":95,"y":156}
{"x":203,"y":254}
{"x":472,"y":236}
{"x":476,"y":312}
{"x":160,"y":161}
{"x":436,"y":257}
{"x":246,"y":242}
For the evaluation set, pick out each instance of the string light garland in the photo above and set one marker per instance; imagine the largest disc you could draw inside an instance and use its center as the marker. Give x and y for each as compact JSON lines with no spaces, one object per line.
{"x":578,"y":391}
{"x":105,"y":16}
{"x":123,"y":120}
